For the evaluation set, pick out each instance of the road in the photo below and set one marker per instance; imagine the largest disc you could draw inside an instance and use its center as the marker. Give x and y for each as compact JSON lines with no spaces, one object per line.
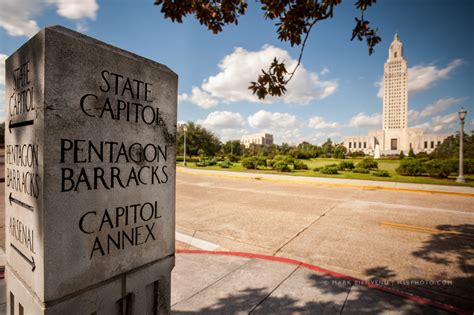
{"x":402,"y":239}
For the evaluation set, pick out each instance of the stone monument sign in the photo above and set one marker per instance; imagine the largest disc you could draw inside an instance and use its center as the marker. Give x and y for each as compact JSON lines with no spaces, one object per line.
{"x":90,"y":178}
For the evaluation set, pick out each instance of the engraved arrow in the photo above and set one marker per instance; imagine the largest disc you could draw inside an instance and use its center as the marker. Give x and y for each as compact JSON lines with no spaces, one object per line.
{"x":19,"y":124}
{"x":31,"y":262}
{"x":20,"y":203}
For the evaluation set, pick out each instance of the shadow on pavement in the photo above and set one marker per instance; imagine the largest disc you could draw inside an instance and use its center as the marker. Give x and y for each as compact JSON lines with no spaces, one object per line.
{"x":453,"y":247}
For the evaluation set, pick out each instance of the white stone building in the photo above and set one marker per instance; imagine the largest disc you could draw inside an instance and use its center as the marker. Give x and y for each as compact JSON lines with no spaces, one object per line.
{"x":395,"y":135}
{"x":265,"y":139}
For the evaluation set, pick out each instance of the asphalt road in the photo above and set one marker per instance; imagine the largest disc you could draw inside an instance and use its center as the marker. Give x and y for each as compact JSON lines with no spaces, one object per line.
{"x":416,"y":242}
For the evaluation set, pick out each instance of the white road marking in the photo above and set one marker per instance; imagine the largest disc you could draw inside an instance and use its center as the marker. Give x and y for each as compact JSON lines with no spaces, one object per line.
{"x":196,"y":242}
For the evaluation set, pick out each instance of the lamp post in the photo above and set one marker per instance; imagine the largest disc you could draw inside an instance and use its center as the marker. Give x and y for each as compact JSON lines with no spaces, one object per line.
{"x":462,"y":114}
{"x":185,"y":129}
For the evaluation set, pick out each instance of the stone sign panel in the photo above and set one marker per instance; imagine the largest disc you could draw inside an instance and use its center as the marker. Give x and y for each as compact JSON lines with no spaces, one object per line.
{"x":90,"y":177}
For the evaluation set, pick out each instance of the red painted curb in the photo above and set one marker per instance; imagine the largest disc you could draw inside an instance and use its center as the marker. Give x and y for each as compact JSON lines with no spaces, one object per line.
{"x":405,"y":295}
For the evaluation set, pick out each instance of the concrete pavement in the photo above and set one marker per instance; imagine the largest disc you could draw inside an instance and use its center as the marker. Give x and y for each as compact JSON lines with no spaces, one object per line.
{"x":418,"y":242}
{"x":236,"y":283}
{"x":239,"y":283}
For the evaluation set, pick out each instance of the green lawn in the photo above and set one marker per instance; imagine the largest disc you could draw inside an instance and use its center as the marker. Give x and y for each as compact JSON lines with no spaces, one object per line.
{"x":388,"y":165}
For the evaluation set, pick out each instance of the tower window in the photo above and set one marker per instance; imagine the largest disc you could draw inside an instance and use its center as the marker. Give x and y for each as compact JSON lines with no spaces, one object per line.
{"x":395,"y":54}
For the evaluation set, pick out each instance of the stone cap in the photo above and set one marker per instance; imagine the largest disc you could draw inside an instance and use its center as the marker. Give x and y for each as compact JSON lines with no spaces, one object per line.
{"x":65,"y":31}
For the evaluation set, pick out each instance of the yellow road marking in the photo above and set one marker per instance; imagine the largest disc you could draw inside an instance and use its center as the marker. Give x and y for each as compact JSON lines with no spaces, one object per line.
{"x":451,"y":193}
{"x":422,"y":229}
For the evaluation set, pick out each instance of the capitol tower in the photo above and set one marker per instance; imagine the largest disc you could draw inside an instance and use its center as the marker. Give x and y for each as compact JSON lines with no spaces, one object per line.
{"x":395,"y":136}
{"x":395,"y":97}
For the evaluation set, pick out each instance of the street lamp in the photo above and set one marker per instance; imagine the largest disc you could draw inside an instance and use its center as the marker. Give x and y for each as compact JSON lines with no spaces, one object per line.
{"x":462,"y":114}
{"x":185,"y":129}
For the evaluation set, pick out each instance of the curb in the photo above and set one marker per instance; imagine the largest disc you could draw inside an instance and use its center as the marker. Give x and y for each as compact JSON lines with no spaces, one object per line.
{"x":405,"y":295}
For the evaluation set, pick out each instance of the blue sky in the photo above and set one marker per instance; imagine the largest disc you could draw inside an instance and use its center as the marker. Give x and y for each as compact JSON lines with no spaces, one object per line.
{"x":333,"y":94}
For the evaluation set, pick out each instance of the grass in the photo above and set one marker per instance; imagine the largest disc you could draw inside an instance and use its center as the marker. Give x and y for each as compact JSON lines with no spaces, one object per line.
{"x":388,"y":165}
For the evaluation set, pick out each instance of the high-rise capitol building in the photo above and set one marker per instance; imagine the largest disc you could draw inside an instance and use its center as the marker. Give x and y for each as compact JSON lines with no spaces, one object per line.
{"x":395,"y":135}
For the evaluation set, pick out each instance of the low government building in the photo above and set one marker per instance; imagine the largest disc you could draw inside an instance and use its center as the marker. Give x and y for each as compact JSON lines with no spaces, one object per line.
{"x":265,"y":139}
{"x":395,"y":135}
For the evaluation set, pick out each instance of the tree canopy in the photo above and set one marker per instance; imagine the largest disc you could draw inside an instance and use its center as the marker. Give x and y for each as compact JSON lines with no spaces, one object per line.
{"x":449,"y":148}
{"x":198,"y":140}
{"x":294,"y":20}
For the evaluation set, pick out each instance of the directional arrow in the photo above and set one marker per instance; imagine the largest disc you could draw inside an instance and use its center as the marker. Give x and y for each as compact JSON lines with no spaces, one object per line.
{"x":19,"y":124}
{"x":31,"y":262}
{"x":20,"y":203}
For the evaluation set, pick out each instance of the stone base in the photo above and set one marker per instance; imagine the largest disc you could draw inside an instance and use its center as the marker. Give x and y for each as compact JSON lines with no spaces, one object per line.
{"x":145,"y":290}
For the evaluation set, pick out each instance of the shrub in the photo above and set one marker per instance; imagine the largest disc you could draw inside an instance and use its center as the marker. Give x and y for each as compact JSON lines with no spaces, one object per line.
{"x":358,"y":153}
{"x":411,"y":153}
{"x":401,"y":156}
{"x":440,"y":168}
{"x":469,"y":166}
{"x":410,"y":167}
{"x":360,"y":170}
{"x":286,"y":158}
{"x":368,"y":163}
{"x":225,"y":164}
{"x":345,"y":165}
{"x":232,"y":158}
{"x":249,"y":163}
{"x":271,"y":162}
{"x":422,"y":154}
{"x":281,"y":166}
{"x":317,"y":168}
{"x":381,"y":173}
{"x":298,"y":165}
{"x":329,"y":170}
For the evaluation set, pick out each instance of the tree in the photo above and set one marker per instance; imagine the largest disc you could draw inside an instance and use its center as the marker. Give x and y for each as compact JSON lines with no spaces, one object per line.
{"x":340,"y":151}
{"x":449,"y":148}
{"x":294,"y":20}
{"x":401,"y":156}
{"x":198,"y":140}
{"x":232,"y":147}
{"x":328,"y":148}
{"x":411,"y":153}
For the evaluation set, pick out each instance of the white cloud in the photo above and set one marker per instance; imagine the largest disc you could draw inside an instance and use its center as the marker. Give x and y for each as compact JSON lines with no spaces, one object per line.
{"x":199,"y":98}
{"x":272,"y":120}
{"x":82,"y":27}
{"x":222,"y":120}
{"x":17,"y":17}
{"x":413,"y":116}
{"x":421,"y":77}
{"x":241,"y":67}
{"x":317,"y":122}
{"x":324,"y":71}
{"x":363,"y":120}
{"x":76,"y":9}
{"x":440,"y":105}
{"x":441,"y":124}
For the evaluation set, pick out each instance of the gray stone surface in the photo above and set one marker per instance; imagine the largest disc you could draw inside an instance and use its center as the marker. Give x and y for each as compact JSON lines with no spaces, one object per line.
{"x":90,"y":163}
{"x":306,"y":292}
{"x":240,"y":291}
{"x":204,"y":270}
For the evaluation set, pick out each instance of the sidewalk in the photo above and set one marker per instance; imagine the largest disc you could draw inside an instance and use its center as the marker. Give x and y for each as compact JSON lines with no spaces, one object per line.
{"x":355,"y":183}
{"x":239,"y":283}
